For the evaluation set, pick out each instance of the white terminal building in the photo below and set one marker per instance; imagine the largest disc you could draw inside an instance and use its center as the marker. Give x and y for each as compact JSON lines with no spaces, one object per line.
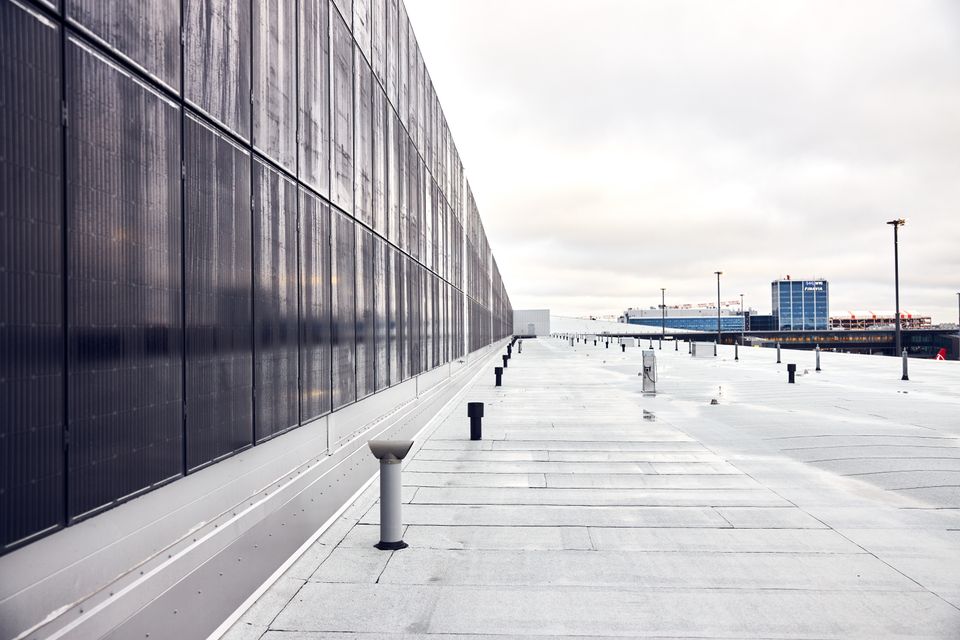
{"x":685,"y":317}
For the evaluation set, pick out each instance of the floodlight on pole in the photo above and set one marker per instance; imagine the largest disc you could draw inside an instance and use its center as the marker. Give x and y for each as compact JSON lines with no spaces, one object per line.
{"x":663,"y":311}
{"x":719,"y":273}
{"x":896,"y":224}
{"x":743,"y":320}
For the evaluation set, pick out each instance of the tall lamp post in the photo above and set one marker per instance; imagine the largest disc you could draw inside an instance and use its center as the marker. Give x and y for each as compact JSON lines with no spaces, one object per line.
{"x":663,"y":312}
{"x":719,"y":273}
{"x":743,"y":320}
{"x":896,"y":224}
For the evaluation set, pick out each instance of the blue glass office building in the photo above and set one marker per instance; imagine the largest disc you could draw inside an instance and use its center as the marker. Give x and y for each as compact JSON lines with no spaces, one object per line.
{"x":801,"y":305}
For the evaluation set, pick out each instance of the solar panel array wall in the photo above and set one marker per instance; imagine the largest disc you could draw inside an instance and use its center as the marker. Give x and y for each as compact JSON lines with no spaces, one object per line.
{"x":221,"y":219}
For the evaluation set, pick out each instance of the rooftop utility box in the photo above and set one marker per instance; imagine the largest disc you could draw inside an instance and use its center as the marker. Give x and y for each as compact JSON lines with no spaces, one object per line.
{"x":531,"y":322}
{"x":649,"y":371}
{"x":704,"y":349}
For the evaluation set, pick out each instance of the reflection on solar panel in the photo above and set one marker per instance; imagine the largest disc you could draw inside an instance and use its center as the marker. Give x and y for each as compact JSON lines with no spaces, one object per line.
{"x":217,"y":240}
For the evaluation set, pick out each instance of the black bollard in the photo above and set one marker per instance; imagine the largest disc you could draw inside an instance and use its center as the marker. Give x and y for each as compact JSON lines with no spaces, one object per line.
{"x":498,"y":373}
{"x":505,"y":358}
{"x":791,"y":373}
{"x":607,"y":344}
{"x":475,"y":413}
{"x":736,"y":351}
{"x":623,"y":347}
{"x":676,"y":345}
{"x":905,"y":376}
{"x":778,"y":353}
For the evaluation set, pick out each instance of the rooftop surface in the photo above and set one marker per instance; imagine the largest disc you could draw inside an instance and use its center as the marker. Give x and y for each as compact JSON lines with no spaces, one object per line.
{"x":823,"y":509}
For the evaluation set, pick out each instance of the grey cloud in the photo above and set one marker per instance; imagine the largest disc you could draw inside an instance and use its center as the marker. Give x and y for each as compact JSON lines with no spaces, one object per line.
{"x":617,"y":147}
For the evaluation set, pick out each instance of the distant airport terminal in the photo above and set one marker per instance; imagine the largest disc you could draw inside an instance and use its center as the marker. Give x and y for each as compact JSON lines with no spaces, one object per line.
{"x":800,"y":318}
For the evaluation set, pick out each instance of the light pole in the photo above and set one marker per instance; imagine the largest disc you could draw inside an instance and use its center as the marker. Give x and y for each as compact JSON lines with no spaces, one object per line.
{"x":663,"y":312}
{"x":896,"y":224}
{"x":743,"y":320}
{"x":719,"y":273}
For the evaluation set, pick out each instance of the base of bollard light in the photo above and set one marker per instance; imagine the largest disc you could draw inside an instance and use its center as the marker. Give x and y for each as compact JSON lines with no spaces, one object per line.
{"x":904,"y":378}
{"x":391,"y":546}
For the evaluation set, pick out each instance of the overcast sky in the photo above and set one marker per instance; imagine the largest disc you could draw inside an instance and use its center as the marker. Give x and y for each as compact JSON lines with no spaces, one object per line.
{"x":618,"y":147}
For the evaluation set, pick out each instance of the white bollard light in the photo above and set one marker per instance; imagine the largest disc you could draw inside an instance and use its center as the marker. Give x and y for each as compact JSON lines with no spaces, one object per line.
{"x":390,"y":453}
